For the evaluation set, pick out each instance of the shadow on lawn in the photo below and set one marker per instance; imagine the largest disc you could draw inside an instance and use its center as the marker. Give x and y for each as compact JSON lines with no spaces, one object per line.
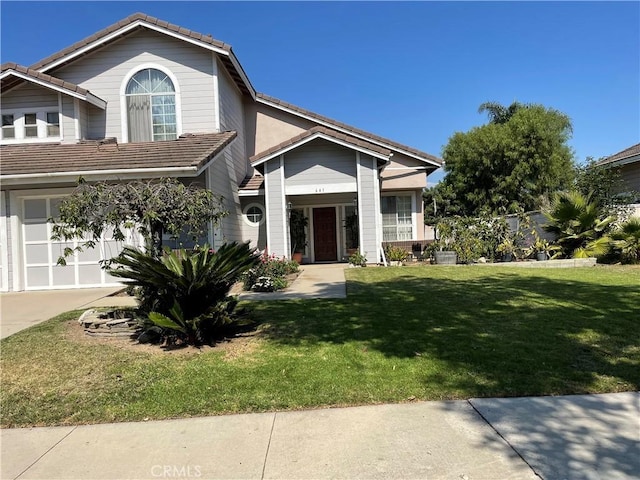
{"x":498,"y":334}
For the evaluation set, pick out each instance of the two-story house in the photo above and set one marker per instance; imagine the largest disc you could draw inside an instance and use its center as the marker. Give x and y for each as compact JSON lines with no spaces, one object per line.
{"x":146,"y":99}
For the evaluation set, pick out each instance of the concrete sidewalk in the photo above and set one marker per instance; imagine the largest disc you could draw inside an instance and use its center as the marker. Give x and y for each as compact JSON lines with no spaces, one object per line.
{"x":573,"y":437}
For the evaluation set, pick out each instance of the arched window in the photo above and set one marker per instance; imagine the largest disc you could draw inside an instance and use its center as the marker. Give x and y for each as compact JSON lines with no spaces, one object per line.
{"x":151,"y":107}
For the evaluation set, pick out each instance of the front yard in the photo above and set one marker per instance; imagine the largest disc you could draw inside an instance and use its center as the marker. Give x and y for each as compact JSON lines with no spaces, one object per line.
{"x":403,"y":334}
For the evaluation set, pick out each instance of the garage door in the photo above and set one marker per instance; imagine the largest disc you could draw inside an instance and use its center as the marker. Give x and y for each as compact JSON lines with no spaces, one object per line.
{"x":40,"y":254}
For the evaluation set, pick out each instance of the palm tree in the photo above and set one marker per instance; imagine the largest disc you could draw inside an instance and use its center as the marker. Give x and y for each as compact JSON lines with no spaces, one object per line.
{"x":499,"y":113}
{"x":627,"y":241}
{"x":578,"y":224}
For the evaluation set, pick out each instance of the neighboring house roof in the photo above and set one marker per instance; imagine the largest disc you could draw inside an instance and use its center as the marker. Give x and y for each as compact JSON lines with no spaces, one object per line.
{"x":12,"y":75}
{"x":140,"y":20}
{"x":625,"y":156}
{"x":327,"y":134}
{"x":343,"y":127}
{"x":188,"y":156}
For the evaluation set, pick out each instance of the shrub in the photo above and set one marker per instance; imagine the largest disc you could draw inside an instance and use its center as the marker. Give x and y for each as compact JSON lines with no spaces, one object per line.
{"x":625,"y":241}
{"x":358,"y":259}
{"x":185,"y":294}
{"x":269,"y":273}
{"x":396,"y":254}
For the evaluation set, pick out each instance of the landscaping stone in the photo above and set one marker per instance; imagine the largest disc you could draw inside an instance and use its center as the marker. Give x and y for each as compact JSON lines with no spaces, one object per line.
{"x":112,"y":323}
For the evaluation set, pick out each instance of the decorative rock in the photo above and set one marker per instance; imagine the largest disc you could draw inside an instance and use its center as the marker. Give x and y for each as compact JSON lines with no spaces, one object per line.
{"x":86,"y":315}
{"x":113,"y":323}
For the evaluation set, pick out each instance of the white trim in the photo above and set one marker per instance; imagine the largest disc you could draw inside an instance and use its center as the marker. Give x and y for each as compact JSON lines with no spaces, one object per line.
{"x":16,"y":242}
{"x":249,"y":222}
{"x":89,"y":97}
{"x":250,"y":193}
{"x":4,"y":251}
{"x":116,"y":174}
{"x":405,"y":168}
{"x":285,"y":218}
{"x":60,"y":116}
{"x":316,"y":189}
{"x":333,"y":126}
{"x":359,"y":182}
{"x":378,"y":214}
{"x":267,"y":206}
{"x":216,"y":92}
{"x":76,"y":119}
{"x":325,"y":137}
{"x":124,"y":118}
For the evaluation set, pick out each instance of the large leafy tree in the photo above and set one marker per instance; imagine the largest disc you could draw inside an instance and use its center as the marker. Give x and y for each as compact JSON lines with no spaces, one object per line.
{"x":151,"y":207}
{"x":507,"y":165}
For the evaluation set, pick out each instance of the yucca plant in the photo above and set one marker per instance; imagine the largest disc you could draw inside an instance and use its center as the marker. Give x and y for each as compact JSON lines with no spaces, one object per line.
{"x":187,"y":291}
{"x":578,"y":224}
{"x":626,"y":241}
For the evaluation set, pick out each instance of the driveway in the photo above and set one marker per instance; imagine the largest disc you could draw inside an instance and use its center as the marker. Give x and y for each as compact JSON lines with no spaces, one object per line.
{"x":20,"y":310}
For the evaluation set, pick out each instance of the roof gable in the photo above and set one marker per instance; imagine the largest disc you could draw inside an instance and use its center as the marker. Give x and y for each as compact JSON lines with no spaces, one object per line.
{"x":135,"y":22}
{"x":349,"y":130}
{"x":12,"y":75}
{"x":324,"y":133}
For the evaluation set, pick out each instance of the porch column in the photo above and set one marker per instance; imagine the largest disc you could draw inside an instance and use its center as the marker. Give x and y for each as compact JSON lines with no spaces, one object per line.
{"x":276,"y":208}
{"x":368,"y":207}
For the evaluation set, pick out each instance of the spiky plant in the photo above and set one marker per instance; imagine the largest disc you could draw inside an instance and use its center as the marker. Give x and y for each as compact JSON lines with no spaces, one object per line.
{"x":186,"y":291}
{"x":626,"y":240}
{"x":578,"y":224}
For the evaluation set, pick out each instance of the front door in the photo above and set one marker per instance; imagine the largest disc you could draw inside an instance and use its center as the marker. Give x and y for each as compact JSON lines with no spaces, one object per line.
{"x":325,"y":246}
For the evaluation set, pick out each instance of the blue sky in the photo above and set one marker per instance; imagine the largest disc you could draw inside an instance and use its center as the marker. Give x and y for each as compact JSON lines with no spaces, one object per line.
{"x":414,"y":72}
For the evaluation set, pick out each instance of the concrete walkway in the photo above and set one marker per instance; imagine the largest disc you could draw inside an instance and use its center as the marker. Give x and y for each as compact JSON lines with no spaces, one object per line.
{"x":572,"y":437}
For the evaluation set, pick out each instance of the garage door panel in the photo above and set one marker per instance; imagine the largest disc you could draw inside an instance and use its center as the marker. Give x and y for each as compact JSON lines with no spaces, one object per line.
{"x":36,"y":232}
{"x":90,"y":255}
{"x":38,"y":276}
{"x":37,"y":253}
{"x":35,"y":209}
{"x":89,"y":274}
{"x":64,"y":275}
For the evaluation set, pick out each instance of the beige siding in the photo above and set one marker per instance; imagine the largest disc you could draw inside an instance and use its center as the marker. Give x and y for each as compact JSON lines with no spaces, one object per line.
{"x":232,"y":118}
{"x":403,"y":173}
{"x":319,"y":163}
{"x":267,"y":127}
{"x":104,"y":71}
{"x":278,"y":241}
{"x":257,"y":235}
{"x":368,"y":208}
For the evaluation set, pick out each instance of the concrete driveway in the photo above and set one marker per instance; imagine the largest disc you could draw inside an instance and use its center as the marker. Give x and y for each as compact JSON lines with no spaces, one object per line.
{"x":20,"y":310}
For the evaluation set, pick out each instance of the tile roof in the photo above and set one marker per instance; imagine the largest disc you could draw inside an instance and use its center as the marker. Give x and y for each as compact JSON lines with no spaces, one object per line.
{"x":624,"y":154}
{"x":189,"y":152}
{"x":234,"y":67}
{"x":369,"y":136}
{"x":252,"y":182}
{"x":9,"y":81}
{"x":324,"y":131}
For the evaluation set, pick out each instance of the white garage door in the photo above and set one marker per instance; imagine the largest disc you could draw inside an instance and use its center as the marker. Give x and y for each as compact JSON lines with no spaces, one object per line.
{"x":40,"y":254}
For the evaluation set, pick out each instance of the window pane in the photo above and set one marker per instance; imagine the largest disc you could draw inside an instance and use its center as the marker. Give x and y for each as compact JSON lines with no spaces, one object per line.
{"x":29,"y":118}
{"x":31,"y":132}
{"x":7,"y":120}
{"x":53,"y":118}
{"x":8,"y":132}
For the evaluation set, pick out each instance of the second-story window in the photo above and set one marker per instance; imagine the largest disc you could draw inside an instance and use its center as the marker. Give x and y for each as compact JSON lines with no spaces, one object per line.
{"x":151,"y":107}
{"x":8,"y":127}
{"x":53,"y":124}
{"x":30,"y":125}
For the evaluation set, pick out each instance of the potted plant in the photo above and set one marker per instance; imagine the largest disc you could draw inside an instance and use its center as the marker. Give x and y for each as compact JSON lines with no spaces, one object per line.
{"x":297,"y":229}
{"x":541,"y":249}
{"x":444,"y":254}
{"x":352,"y":233}
{"x":358,"y":260}
{"x":507,"y":248}
{"x":396,"y":255}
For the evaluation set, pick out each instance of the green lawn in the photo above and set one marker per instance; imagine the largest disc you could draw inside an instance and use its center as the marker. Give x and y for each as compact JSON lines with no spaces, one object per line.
{"x":402,"y":334}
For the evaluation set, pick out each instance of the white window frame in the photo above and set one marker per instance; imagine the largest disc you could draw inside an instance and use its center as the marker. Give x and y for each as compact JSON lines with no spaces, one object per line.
{"x":414,"y":227}
{"x":41,"y":125}
{"x":124,"y":119}
{"x":245,"y":217}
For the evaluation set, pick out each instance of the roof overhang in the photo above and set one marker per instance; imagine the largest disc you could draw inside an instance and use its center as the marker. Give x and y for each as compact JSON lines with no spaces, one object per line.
{"x":87,"y":97}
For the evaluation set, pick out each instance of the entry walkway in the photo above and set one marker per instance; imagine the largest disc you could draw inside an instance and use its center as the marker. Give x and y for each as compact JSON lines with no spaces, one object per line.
{"x":570,"y":437}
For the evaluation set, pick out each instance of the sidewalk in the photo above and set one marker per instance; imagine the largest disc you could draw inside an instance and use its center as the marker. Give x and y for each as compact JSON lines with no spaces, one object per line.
{"x":572,"y":437}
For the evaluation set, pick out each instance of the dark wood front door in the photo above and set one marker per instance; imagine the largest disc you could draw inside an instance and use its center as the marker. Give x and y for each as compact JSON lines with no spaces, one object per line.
{"x":325,"y":246}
